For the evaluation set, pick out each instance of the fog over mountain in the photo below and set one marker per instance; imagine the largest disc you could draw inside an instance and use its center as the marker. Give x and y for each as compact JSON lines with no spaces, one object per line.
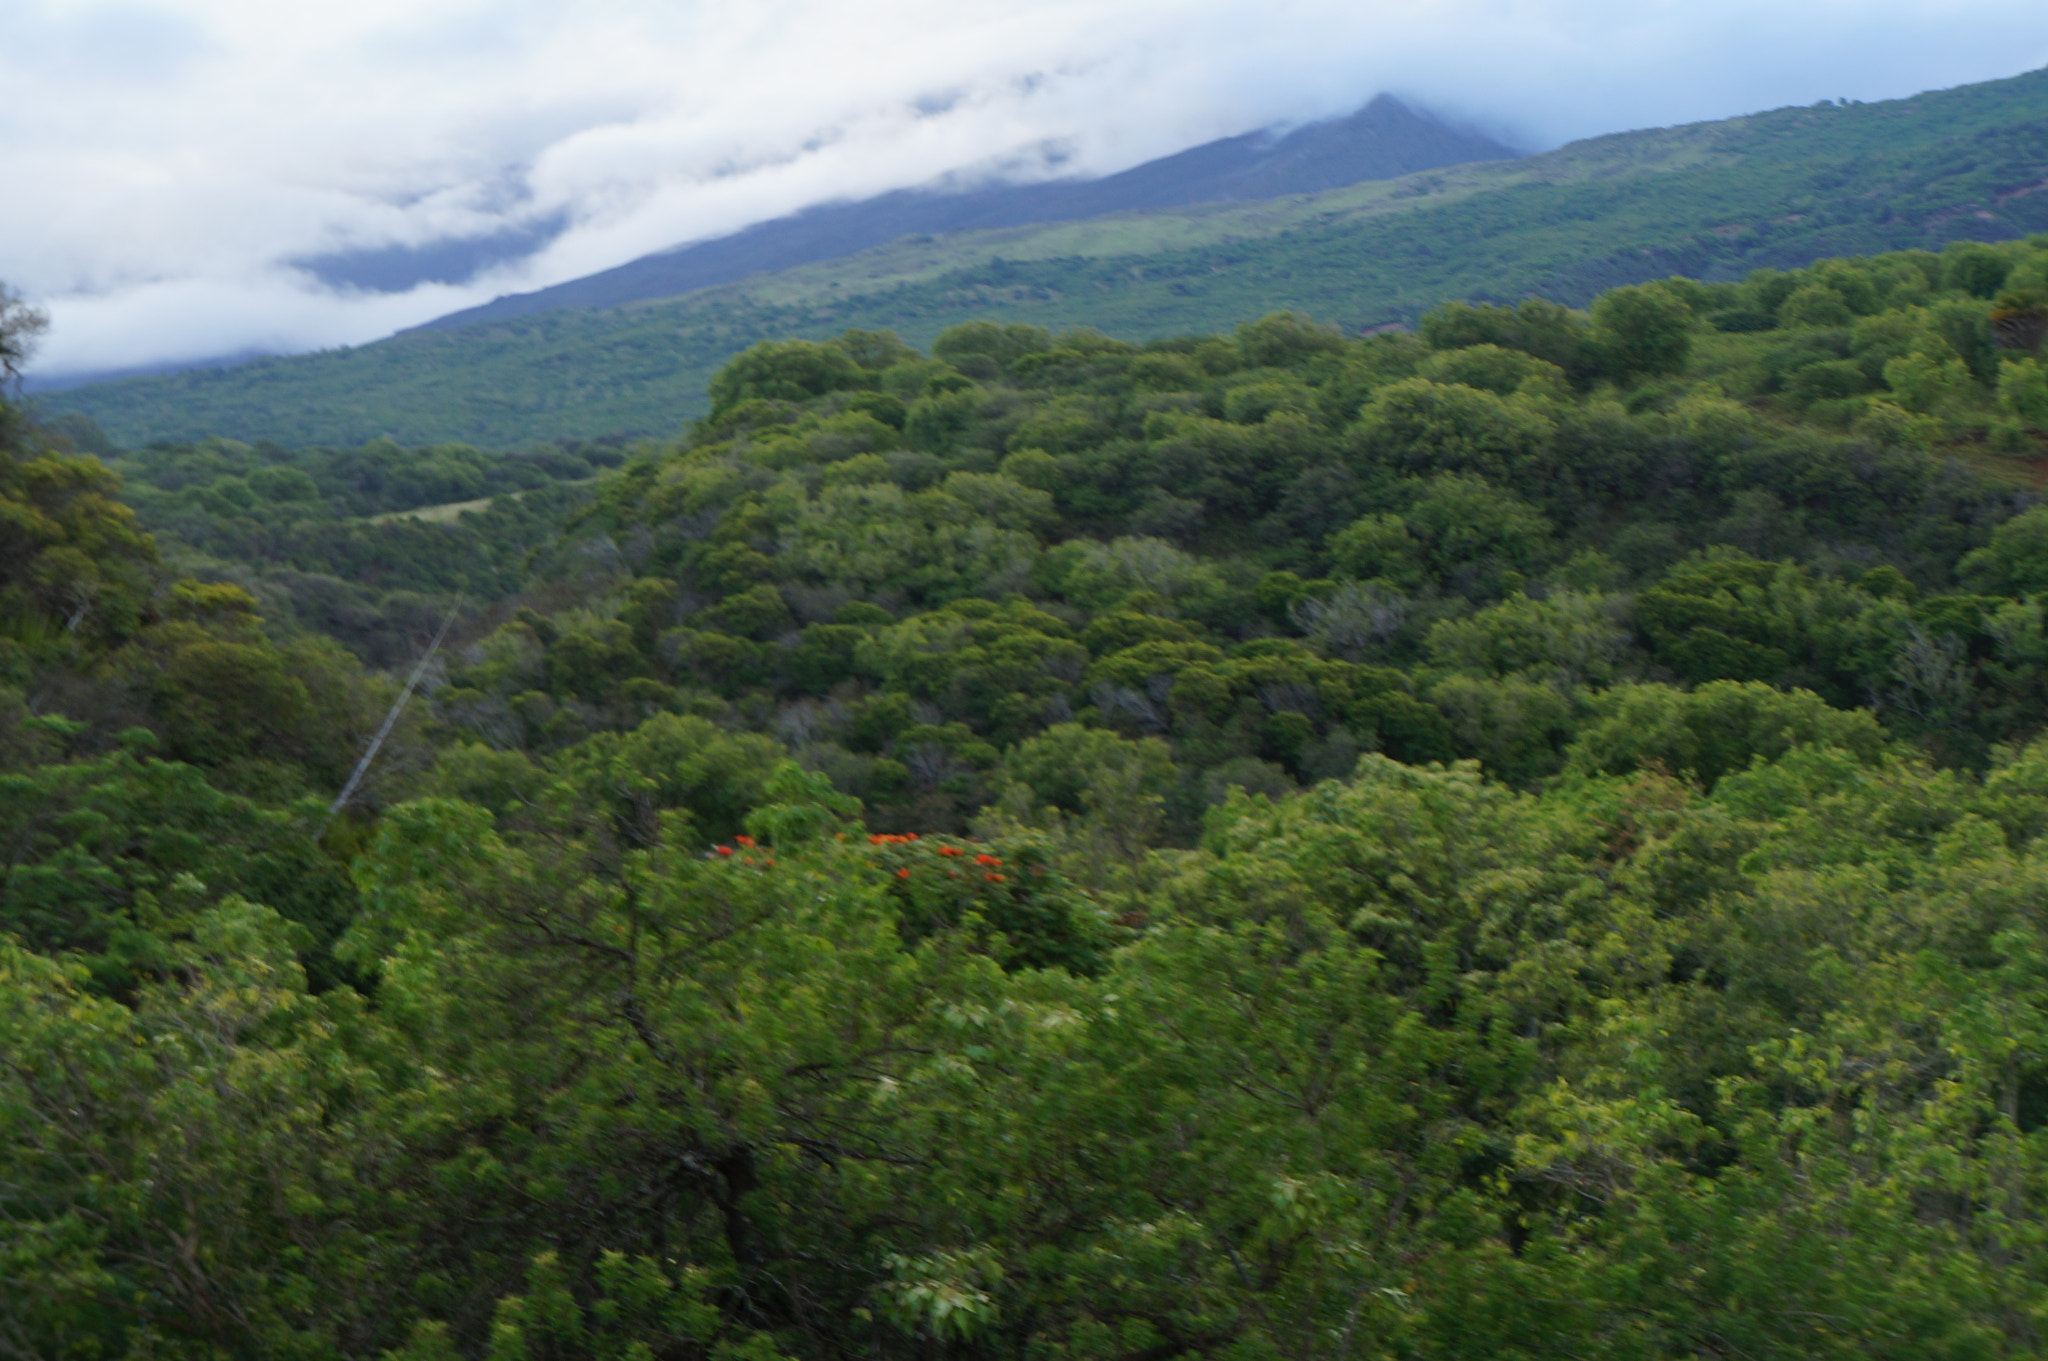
{"x":193,"y":178}
{"x":1383,"y":140}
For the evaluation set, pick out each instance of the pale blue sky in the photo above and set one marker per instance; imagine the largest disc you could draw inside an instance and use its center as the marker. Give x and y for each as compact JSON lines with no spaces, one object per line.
{"x":167,"y":161}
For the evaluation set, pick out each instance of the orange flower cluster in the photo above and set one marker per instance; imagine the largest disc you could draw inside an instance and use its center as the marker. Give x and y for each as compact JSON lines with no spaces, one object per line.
{"x":988,"y":863}
{"x":725,"y":852}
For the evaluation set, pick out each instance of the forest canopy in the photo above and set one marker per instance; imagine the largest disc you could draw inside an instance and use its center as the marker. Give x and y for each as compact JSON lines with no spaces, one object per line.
{"x":1518,"y":839}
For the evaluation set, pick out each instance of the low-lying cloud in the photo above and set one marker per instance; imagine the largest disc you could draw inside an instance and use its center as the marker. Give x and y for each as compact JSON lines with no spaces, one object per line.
{"x":192,"y":178}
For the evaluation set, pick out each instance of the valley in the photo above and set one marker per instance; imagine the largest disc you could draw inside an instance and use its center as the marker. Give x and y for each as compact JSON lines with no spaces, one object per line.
{"x":1453,"y":767}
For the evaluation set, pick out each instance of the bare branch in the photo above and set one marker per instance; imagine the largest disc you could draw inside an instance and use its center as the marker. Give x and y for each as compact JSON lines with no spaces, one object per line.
{"x":20,"y":325}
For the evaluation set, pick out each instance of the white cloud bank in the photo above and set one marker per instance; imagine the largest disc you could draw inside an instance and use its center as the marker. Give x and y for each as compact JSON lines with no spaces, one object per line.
{"x":163,"y":161}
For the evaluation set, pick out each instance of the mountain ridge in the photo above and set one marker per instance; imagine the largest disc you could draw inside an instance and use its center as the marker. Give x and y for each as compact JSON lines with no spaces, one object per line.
{"x":1383,"y":140}
{"x":1716,"y":199}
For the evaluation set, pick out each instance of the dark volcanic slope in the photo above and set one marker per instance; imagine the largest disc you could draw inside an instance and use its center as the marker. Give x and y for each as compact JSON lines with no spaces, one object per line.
{"x":1382,"y":140}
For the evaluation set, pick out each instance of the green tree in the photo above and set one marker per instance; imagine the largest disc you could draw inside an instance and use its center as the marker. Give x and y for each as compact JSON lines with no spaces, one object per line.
{"x":730,"y":1028}
{"x":987,"y":349}
{"x":74,"y":563}
{"x":186,"y":1176}
{"x":109,"y":859}
{"x":790,"y":370}
{"x":1815,"y":304}
{"x":1644,"y":329}
{"x":1378,"y":547}
{"x":1715,"y":730}
{"x":1284,"y":339}
{"x":1478,"y":538}
{"x":2023,"y":392}
{"x":1421,"y":427}
{"x":668,"y":764}
{"x":2015,"y":562}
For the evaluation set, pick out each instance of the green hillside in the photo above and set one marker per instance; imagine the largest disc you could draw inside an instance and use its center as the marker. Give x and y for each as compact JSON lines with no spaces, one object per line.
{"x":1712,"y":200}
{"x":1520,"y":841}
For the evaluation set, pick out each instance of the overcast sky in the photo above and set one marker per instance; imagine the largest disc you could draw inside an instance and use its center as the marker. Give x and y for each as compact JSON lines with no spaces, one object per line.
{"x":169,"y":167}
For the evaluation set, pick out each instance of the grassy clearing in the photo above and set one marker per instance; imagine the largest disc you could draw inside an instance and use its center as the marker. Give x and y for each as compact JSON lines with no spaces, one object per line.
{"x":449,"y":512}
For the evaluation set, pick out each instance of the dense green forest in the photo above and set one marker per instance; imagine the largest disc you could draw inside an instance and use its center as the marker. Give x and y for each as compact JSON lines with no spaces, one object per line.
{"x":1710,"y":200}
{"x":368,"y":546}
{"x":1520,"y":839}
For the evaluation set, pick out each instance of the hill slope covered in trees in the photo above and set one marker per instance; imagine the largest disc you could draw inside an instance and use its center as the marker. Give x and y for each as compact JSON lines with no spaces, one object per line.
{"x":1382,"y":141}
{"x":1712,"y":200}
{"x":1523,"y":839}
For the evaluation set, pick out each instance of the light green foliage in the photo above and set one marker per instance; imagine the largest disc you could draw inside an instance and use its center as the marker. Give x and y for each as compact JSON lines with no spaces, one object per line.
{"x":1712,"y":423}
{"x":1117,"y":787}
{"x":783,"y":370}
{"x":110,"y":859}
{"x":1974,"y":268}
{"x":1477,"y":536}
{"x":989,"y":347}
{"x":1536,"y":327}
{"x":367,"y":543}
{"x":1417,"y":426}
{"x":938,"y":422}
{"x":1286,"y":338}
{"x":637,"y":1301}
{"x":1003,"y":666}
{"x":1726,"y":616}
{"x":2023,"y":392}
{"x":762,"y":1006}
{"x":223,"y":1110}
{"x":2016,"y":560}
{"x":1006,"y":503}
{"x":1252,"y":403}
{"x":1929,"y":383}
{"x":1101,"y":575}
{"x":1515,"y":727}
{"x":1379,"y":548}
{"x":668,"y":763}
{"x":502,"y":781}
{"x":799,"y":806}
{"x":1572,"y":639}
{"x":1963,"y":324}
{"x":876,"y":537}
{"x":1853,"y":281}
{"x":589,"y":655}
{"x":1887,"y":423}
{"x":1645,"y":329}
{"x":1376,"y":995}
{"x":1715,"y":730}
{"x":1190,"y":500}
{"x":1815,"y":304}
{"x":71,"y":558}
{"x":940,"y":1294}
{"x":1493,"y":369}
